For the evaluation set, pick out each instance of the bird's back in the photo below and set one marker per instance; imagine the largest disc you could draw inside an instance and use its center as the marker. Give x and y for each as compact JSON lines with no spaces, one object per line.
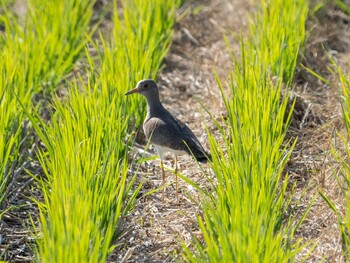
{"x":172,"y":133}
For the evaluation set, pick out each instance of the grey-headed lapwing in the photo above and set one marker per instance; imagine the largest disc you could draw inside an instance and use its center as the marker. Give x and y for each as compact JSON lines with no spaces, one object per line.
{"x":165,"y":132}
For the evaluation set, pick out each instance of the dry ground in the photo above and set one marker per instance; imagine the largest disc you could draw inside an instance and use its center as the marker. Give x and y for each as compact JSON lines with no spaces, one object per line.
{"x":155,"y":228}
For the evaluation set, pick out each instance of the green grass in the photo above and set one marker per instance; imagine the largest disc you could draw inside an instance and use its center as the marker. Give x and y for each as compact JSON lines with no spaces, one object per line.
{"x":277,"y":35}
{"x":35,"y":57}
{"x":10,"y":121}
{"x":87,"y":190}
{"x":245,"y":219}
{"x":343,"y":6}
{"x":141,"y":52}
{"x":51,"y":40}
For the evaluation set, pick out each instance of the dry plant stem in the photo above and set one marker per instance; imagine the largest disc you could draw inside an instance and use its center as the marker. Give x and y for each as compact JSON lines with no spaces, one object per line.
{"x":177,"y":192}
{"x":163,"y":178}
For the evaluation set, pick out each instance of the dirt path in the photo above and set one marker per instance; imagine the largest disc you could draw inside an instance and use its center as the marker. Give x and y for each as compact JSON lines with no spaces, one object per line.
{"x":312,"y":165}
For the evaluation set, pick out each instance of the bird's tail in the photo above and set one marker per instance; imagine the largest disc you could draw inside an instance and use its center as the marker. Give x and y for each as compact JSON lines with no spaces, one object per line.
{"x":204,"y":158}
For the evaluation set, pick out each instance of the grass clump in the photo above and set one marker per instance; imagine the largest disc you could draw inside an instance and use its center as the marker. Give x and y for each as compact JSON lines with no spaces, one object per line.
{"x":87,"y":191}
{"x":245,"y":219}
{"x":277,"y":35}
{"x":10,"y":122}
{"x":49,"y":42}
{"x":140,"y":54}
{"x":35,"y":57}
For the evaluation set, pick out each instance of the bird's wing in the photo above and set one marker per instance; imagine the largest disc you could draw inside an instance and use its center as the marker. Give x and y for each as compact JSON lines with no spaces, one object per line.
{"x":188,"y":136}
{"x":161,"y":133}
{"x":174,"y":134}
{"x":192,"y":143}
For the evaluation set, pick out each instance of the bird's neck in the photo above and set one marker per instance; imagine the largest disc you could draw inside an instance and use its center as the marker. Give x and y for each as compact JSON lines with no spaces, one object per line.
{"x":154,"y":104}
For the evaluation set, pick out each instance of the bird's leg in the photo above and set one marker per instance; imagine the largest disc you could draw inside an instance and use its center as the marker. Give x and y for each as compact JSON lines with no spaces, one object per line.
{"x":163,"y":178}
{"x":177,"y":193}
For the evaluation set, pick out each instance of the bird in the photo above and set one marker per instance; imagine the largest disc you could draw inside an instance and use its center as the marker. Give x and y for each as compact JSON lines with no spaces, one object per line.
{"x":166,"y":132}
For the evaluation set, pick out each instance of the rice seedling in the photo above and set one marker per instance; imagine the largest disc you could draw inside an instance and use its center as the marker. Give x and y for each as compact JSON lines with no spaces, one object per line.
{"x":35,"y":57}
{"x":140,"y":54}
{"x":51,"y":40}
{"x":87,"y":190}
{"x":246,"y":219}
{"x":278,"y":34}
{"x":10,"y":121}
{"x":86,"y":167}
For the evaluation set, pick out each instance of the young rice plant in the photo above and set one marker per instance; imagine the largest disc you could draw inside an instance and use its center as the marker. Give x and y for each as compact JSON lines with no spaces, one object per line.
{"x":87,"y":189}
{"x":34,"y":56}
{"x":245,"y":219}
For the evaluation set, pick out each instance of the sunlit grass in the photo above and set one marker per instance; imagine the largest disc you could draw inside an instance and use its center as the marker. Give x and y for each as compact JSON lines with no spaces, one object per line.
{"x":87,"y":190}
{"x":35,"y":56}
{"x":139,"y":55}
{"x":245,"y":219}
{"x":49,"y":42}
{"x":277,"y":35}
{"x":10,"y":121}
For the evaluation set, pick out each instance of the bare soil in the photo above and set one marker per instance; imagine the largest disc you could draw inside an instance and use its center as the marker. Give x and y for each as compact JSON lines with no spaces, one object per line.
{"x":154,"y":230}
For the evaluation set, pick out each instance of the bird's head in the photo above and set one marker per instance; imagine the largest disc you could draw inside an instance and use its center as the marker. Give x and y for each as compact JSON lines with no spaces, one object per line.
{"x":146,"y":87}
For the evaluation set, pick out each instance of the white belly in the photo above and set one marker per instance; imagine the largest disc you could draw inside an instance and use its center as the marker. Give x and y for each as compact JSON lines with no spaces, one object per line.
{"x":162,"y":150}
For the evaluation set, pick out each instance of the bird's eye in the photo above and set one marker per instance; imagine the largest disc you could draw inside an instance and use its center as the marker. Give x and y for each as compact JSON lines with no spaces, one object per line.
{"x":146,"y":86}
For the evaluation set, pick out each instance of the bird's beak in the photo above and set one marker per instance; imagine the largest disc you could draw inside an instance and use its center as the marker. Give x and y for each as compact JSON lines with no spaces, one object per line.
{"x":135,"y":90}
